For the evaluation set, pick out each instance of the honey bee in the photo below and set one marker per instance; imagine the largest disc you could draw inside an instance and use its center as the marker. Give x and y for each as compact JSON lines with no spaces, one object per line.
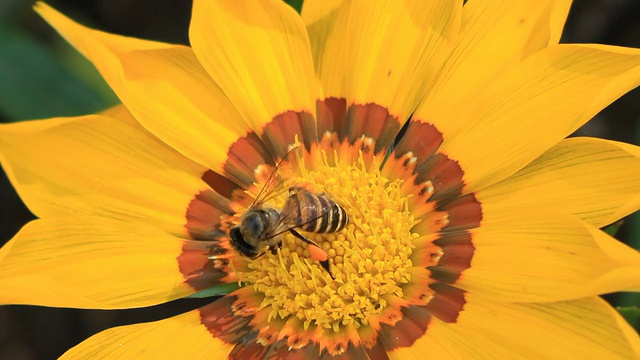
{"x":303,"y":210}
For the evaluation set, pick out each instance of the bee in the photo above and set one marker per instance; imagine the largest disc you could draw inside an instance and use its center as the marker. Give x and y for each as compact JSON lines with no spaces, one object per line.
{"x":303,"y":210}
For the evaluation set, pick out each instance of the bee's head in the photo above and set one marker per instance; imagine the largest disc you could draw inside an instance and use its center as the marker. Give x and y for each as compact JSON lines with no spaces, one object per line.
{"x":240,"y":244}
{"x":253,"y":224}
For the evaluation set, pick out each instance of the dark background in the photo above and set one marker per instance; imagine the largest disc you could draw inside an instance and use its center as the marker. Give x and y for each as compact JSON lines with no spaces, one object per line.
{"x":40,"y":76}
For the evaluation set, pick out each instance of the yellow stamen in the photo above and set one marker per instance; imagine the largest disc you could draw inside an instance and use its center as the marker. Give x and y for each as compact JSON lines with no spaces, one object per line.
{"x":369,"y":257}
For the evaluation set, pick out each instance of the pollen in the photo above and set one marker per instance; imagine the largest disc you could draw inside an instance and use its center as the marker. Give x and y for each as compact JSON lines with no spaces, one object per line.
{"x":369,"y":258}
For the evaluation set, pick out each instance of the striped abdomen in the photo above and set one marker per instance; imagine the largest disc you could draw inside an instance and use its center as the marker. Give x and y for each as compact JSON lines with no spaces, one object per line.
{"x":313,"y":213}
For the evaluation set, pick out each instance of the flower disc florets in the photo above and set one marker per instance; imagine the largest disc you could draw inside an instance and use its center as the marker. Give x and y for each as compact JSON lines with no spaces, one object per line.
{"x":369,"y":257}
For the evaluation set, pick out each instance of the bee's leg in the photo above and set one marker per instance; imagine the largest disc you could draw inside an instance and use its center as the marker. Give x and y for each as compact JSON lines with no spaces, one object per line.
{"x":258,"y":255}
{"x":318,"y":254}
{"x":274,"y":248}
{"x":325,"y":265}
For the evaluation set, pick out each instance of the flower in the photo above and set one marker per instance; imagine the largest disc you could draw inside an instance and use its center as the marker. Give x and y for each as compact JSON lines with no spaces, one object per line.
{"x":439,"y":129}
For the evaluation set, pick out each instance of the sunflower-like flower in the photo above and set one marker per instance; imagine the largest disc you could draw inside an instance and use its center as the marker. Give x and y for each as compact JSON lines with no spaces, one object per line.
{"x":438,"y":128}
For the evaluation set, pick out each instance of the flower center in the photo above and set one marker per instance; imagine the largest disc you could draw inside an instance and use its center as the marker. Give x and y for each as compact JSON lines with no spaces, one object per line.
{"x":369,"y":257}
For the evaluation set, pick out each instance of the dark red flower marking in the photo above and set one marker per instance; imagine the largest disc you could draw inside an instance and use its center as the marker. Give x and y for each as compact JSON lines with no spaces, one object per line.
{"x":244,"y":157}
{"x":464,"y":212}
{"x":282,"y":130}
{"x":356,"y":121}
{"x":229,"y":318}
{"x":447,"y":302}
{"x":410,"y":327}
{"x":205,"y":264}
{"x":331,"y":114}
{"x":457,"y":251}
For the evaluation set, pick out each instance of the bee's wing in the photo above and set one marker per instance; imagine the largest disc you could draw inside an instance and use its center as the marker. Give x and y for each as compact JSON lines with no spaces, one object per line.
{"x":289,"y":218}
{"x":275,"y":184}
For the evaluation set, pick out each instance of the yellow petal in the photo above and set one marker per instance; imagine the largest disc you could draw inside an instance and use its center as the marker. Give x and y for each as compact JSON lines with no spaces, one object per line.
{"x":386,"y":52}
{"x":594,"y":179}
{"x":319,"y":17}
{"x":494,"y":36}
{"x":91,"y":262}
{"x":548,"y":31}
{"x":259,"y":54}
{"x":314,"y":11}
{"x":97,"y":165}
{"x":580,"y":329}
{"x":531,"y":107}
{"x":532,"y":257}
{"x":179,"y":337}
{"x":164,"y":86}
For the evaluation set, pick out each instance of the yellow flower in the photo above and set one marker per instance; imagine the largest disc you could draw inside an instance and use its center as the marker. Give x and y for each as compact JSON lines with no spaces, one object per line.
{"x":472,"y":233}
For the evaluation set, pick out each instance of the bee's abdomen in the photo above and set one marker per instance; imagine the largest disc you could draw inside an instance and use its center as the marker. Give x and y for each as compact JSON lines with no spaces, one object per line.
{"x":316,"y":213}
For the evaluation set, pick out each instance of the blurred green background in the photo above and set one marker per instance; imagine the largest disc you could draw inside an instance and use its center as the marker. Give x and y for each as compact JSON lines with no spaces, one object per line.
{"x":41,"y":76}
